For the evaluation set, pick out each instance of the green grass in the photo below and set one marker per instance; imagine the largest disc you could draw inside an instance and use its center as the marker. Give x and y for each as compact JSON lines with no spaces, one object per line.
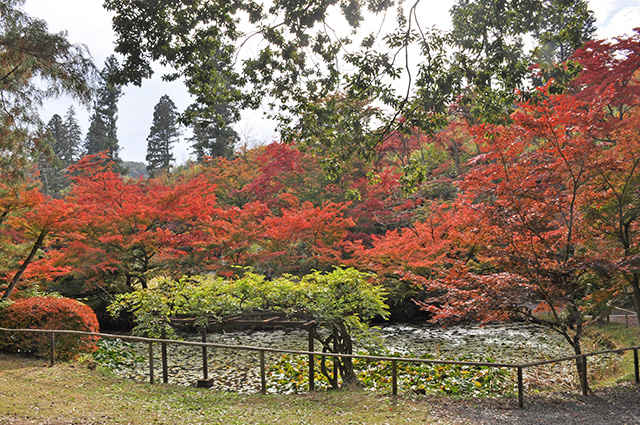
{"x":72,"y":393}
{"x":33,"y":393}
{"x":611,"y":336}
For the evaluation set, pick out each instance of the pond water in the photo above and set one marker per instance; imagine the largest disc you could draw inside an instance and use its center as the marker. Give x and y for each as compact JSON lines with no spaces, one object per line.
{"x":235,"y":370}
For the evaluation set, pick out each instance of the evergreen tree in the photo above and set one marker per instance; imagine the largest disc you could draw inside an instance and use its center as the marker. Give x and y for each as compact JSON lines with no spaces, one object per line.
{"x":164,"y":133}
{"x":50,"y":166}
{"x":64,"y":139}
{"x":102,"y":135}
{"x":70,"y":150}
{"x":57,"y":131}
{"x":214,"y":139}
{"x":97,"y":140}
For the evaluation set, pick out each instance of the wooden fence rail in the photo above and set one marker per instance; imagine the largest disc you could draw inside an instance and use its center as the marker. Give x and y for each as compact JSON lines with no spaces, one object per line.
{"x":518,"y":367}
{"x":628,"y":315}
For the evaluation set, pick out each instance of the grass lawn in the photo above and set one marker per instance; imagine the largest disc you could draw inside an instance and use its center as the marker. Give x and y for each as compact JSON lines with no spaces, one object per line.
{"x":72,"y":393}
{"x":33,"y":393}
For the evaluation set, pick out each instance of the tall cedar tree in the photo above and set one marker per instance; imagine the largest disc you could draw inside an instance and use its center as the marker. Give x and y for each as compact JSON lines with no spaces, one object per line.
{"x":65,"y":139}
{"x":102,"y":135}
{"x":212,"y":139}
{"x":34,"y":65}
{"x":50,"y":168}
{"x":164,"y":132}
{"x":70,"y":148}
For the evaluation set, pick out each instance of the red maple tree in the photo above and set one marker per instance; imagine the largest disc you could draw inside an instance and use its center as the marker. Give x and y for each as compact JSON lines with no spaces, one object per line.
{"x":29,"y":221}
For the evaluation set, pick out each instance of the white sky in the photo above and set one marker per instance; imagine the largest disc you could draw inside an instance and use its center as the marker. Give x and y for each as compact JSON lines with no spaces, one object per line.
{"x":88,"y":23}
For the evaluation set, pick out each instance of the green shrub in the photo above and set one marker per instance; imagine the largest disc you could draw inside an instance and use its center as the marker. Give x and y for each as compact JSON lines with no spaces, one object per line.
{"x":116,"y":355}
{"x":289,"y":375}
{"x":47,"y":313}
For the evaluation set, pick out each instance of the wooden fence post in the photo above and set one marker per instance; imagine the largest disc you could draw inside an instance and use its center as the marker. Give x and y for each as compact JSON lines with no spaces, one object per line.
{"x":394,"y":377}
{"x":52,"y":348}
{"x":165,"y":367}
{"x":635,"y":364}
{"x":312,"y":362}
{"x":205,"y":382}
{"x":520,"y":388}
{"x":151,"y":362}
{"x":263,"y":375}
{"x":335,"y":362}
{"x":205,"y":366}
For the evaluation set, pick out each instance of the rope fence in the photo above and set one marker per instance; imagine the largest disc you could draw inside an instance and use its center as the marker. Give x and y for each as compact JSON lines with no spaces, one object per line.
{"x":517,"y":367}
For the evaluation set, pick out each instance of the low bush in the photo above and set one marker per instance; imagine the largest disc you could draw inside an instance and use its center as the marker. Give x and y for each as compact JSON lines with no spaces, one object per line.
{"x":289,"y":375}
{"x":115,"y":355}
{"x":47,"y":313}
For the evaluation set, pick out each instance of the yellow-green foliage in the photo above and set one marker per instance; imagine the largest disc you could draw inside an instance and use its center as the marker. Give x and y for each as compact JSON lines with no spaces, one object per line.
{"x":342,"y":296}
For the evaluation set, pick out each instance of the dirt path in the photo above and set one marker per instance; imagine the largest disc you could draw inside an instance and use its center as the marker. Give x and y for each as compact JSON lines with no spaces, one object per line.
{"x":609,"y":406}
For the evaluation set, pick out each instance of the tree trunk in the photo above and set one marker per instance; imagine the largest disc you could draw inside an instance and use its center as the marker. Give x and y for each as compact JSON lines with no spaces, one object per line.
{"x":580,"y":365}
{"x":345,"y":364}
{"x":3,"y":216}
{"x":23,"y":267}
{"x":575,"y":342}
{"x":635,"y":284}
{"x":339,"y":342}
{"x":349,"y":377}
{"x":333,"y":380}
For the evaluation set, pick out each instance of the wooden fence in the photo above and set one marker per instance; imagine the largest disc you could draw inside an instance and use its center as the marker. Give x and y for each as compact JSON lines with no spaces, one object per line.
{"x":518,"y":367}
{"x":617,"y":313}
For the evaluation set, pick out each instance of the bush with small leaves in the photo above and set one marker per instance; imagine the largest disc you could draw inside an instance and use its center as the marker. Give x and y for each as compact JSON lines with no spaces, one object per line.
{"x":47,"y":313}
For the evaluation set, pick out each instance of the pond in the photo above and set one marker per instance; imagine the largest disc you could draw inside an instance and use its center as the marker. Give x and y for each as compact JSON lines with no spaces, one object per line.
{"x":235,"y":370}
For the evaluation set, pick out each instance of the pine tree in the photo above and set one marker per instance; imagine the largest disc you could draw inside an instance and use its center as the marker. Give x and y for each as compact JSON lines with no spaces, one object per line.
{"x":214,"y":139}
{"x":164,"y":133}
{"x":102,"y":135}
{"x":64,"y":140}
{"x":57,"y":131}
{"x":50,"y":165}
{"x":70,"y":150}
{"x":97,"y":140}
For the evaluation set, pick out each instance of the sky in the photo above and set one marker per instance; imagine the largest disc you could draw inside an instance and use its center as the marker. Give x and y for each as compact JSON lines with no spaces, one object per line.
{"x":88,"y":23}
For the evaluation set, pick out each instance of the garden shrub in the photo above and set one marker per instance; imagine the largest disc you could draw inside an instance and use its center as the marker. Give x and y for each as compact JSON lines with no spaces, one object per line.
{"x":289,"y":375}
{"x":47,"y":313}
{"x":115,"y":355}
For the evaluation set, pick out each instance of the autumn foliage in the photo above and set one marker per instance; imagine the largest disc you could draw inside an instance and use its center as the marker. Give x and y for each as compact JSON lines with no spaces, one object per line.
{"x":47,"y":313}
{"x":29,"y":222}
{"x":477,"y":222}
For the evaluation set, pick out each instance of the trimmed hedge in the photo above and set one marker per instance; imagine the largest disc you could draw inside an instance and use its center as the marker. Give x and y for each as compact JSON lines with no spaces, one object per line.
{"x":48,"y":313}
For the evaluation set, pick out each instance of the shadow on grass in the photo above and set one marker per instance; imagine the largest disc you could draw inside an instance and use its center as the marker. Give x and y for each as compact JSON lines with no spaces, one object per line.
{"x":16,"y":361}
